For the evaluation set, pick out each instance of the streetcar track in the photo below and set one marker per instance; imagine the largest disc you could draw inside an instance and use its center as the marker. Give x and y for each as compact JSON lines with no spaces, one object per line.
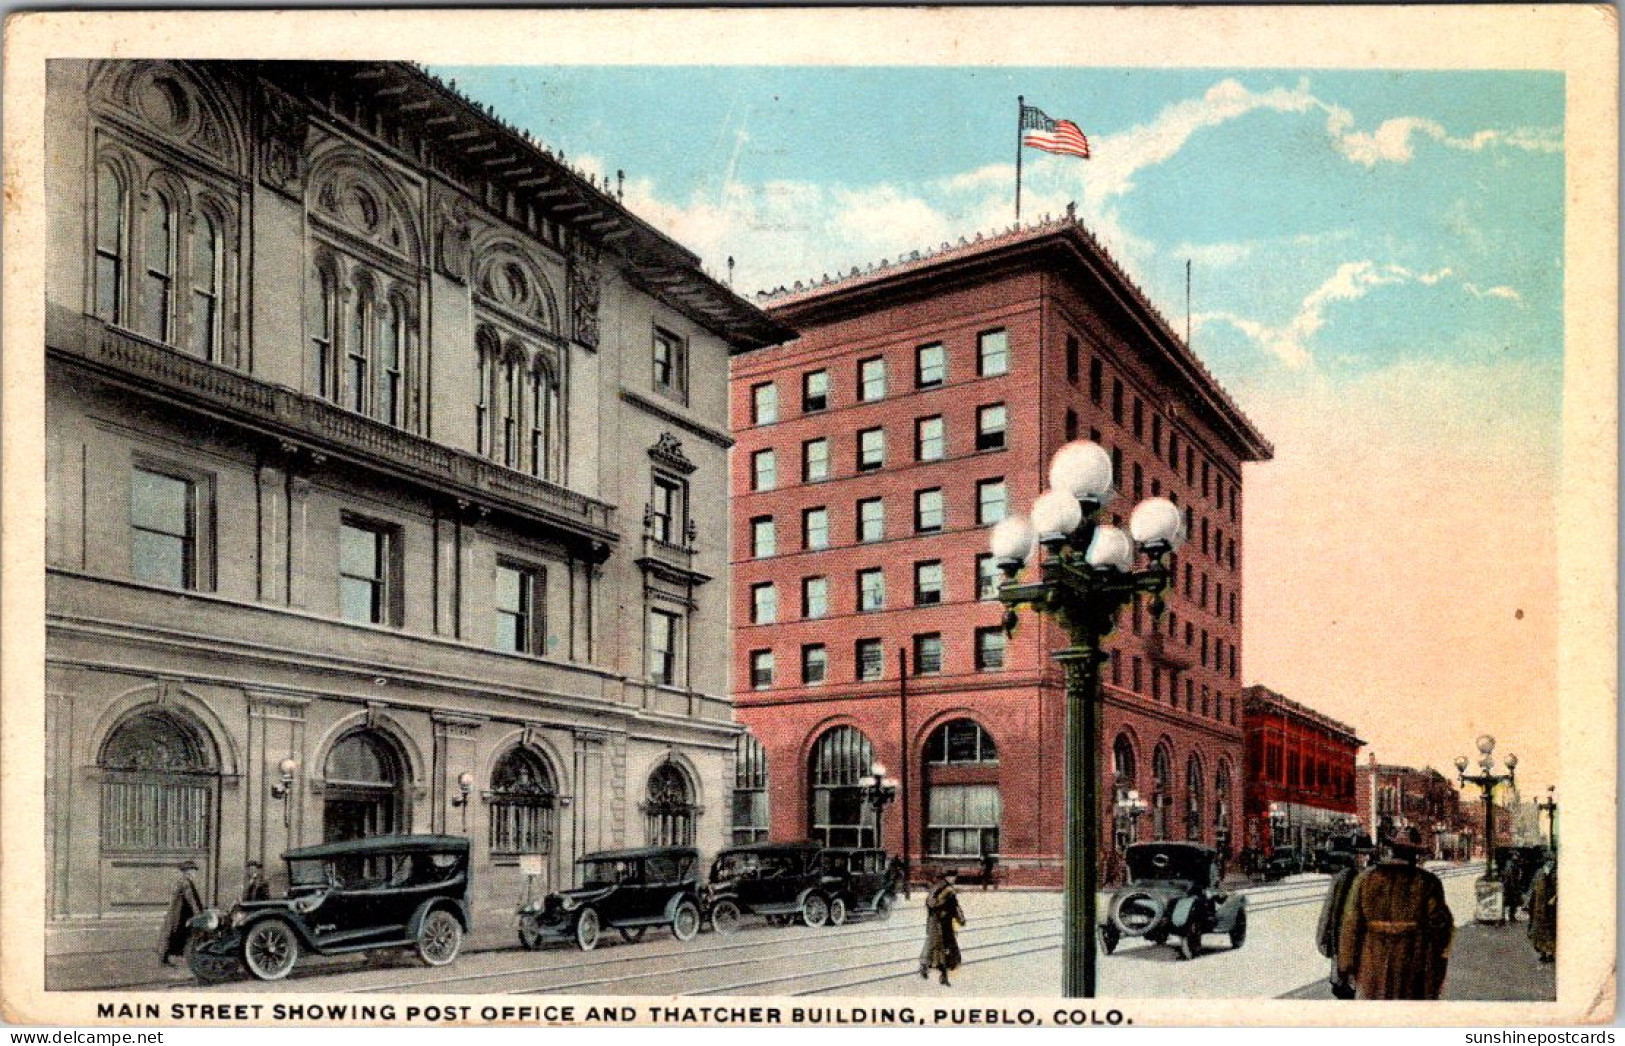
{"x":913,"y":971}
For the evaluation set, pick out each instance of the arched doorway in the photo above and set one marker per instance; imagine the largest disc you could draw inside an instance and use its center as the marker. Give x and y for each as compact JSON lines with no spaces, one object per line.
{"x":1125,"y":792}
{"x":669,"y":810}
{"x":1221,"y":809}
{"x":1162,"y":790}
{"x":1193,"y":799}
{"x":963,"y":807}
{"x":837,"y":814}
{"x":160,"y":778}
{"x":363,"y":792}
{"x":523,"y":799}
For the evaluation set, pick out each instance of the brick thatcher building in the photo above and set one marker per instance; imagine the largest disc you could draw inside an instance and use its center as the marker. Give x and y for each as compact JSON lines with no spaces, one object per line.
{"x":1300,"y":773}
{"x":923,"y":401}
{"x":1389,"y":796}
{"x":356,"y":397}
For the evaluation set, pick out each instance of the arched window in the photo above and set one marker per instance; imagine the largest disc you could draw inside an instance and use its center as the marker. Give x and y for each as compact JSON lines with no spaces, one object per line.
{"x":205,"y":320}
{"x":1162,"y":791}
{"x":1193,"y":799}
{"x":488,"y":348}
{"x":509,"y":404}
{"x":157,"y":794}
{"x":544,"y":397}
{"x":363,"y":788}
{"x":159,"y":267}
{"x":391,"y":344}
{"x":1124,"y":771}
{"x":523,"y":798}
{"x":750,"y":822}
{"x":669,"y":810}
{"x":111,"y":238}
{"x":963,"y":806}
{"x":358,"y":348}
{"x":323,"y":321}
{"x":1221,"y":807}
{"x":838,"y":816}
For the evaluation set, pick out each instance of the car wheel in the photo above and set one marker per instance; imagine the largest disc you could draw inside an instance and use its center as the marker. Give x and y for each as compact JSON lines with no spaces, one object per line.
{"x":814,"y":910}
{"x":685,"y":922}
{"x":1238,"y":932}
{"x":270,"y":948}
{"x":1108,"y":938}
{"x":633,"y":934}
{"x":1160,"y":937}
{"x":883,"y":907}
{"x":207,"y":968}
{"x":725,"y":918}
{"x":837,"y":911}
{"x":1190,"y":942}
{"x":439,"y":938}
{"x":587,"y":929}
{"x":530,"y":938}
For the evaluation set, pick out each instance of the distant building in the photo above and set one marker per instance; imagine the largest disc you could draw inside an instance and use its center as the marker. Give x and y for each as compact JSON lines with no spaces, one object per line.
{"x":1300,"y":773}
{"x":1398,"y":796}
{"x":376,"y":439}
{"x":921,"y":404}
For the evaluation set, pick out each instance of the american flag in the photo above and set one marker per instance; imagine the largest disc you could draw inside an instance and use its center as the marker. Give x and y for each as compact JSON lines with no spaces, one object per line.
{"x":1052,"y":136}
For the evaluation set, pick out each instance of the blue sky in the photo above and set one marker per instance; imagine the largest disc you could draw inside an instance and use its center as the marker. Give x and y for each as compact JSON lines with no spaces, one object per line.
{"x":1377,"y":262}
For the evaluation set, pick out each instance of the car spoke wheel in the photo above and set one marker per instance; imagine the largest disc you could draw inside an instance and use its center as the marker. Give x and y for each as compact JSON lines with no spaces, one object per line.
{"x":725,"y":918}
{"x":1238,"y":932}
{"x":883,"y":907}
{"x":530,"y":936}
{"x":633,"y":934}
{"x":837,"y":911}
{"x":208,"y":968}
{"x":270,"y":949}
{"x":1190,"y":943}
{"x":814,"y":910}
{"x":439,"y":938}
{"x":587,"y":930}
{"x":685,"y":922}
{"x":1108,"y":939}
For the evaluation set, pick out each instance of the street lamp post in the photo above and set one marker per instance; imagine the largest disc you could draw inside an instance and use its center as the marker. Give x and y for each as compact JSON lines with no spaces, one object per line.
{"x":877,"y":792}
{"x":1130,"y":808}
{"x":1548,"y":806}
{"x":1086,"y":577}
{"x":1488,"y":893}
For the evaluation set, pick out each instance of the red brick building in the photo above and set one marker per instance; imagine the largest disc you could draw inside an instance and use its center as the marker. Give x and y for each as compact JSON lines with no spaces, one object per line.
{"x":1390,"y":796}
{"x":1300,"y":773}
{"x":921,"y":403}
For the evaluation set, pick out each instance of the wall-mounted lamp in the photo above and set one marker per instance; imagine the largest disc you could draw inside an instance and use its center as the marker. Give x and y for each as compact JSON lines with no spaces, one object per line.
{"x":285,"y":769}
{"x":465,"y":788}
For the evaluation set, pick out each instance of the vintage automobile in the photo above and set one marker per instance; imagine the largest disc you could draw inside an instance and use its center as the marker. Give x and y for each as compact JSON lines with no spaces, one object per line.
{"x":857,"y":882}
{"x":392,"y":891}
{"x":628,"y":890}
{"x":1281,"y":864}
{"x":779,"y":881}
{"x":1339,"y":852}
{"x":1173,"y":893}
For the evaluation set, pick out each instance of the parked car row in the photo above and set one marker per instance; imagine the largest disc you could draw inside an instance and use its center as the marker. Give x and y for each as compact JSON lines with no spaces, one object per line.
{"x":412,"y":893}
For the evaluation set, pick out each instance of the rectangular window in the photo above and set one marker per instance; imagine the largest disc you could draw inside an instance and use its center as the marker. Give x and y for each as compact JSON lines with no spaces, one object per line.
{"x":1071,"y":425}
{"x":871,"y":519}
{"x":814,"y":664}
{"x":1072,"y":354}
{"x":871,"y":449}
{"x":870,"y":659}
{"x":764,"y":404}
{"x":814,"y":391}
{"x":928,"y":654}
{"x":1097,"y":380}
{"x":871,"y":379}
{"x":930,"y":365}
{"x":1117,"y":401}
{"x":764,"y":470}
{"x":1139,"y":482}
{"x":1139,"y":418}
{"x":670,"y":364}
{"x":988,"y":577}
{"x":763,"y":538}
{"x":764,"y":604}
{"x":991,"y":501}
{"x":666,"y":510}
{"x":366,"y":559}
{"x":990,"y":644}
{"x":815,"y":528}
{"x":1136,"y":666}
{"x":993,"y":353}
{"x":962,"y":820}
{"x":163,"y":529}
{"x":928,"y":583}
{"x":1207,"y":477}
{"x":990,"y":422}
{"x":929,"y":516}
{"x":1156,"y":434}
{"x":814,"y":597}
{"x":761,"y":669}
{"x":815,"y":460}
{"x":518,"y":600}
{"x":871,"y":589}
{"x":928,"y":439}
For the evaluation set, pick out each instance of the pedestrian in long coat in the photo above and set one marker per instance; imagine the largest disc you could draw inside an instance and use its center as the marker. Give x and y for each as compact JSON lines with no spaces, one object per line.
{"x":1543,"y":911}
{"x":184,"y":903}
{"x":1330,"y":927}
{"x":1397,"y":928}
{"x":943,"y":917}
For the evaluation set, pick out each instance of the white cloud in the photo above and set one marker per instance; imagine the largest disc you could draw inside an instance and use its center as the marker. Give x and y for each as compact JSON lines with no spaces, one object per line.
{"x":1391,"y":141}
{"x":1502,"y":291}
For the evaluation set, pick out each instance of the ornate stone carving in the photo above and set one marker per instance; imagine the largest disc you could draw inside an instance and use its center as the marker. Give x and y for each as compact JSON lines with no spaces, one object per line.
{"x":668,"y":453}
{"x":585,"y":279}
{"x":453,"y":241}
{"x":284,"y":133}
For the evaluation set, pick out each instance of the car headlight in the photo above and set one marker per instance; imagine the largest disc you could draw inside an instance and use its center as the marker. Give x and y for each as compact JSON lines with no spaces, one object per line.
{"x":568,"y":904}
{"x":207,"y":921}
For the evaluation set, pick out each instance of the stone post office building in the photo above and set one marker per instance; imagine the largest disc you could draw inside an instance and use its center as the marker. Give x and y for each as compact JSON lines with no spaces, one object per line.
{"x":387,"y":490}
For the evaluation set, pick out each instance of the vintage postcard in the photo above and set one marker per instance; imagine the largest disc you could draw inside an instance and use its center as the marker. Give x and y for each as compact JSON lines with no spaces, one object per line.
{"x":862,"y":517}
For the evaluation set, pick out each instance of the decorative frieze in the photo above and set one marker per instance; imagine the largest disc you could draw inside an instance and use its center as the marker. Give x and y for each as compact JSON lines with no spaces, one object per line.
{"x":284,"y":135}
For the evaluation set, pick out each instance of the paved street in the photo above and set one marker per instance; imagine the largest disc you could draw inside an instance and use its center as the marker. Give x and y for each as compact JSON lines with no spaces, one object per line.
{"x":1011,"y":947}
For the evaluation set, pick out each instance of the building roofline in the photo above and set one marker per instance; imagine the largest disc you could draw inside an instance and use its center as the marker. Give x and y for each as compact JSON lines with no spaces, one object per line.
{"x":1265,"y":696}
{"x":921,"y":272}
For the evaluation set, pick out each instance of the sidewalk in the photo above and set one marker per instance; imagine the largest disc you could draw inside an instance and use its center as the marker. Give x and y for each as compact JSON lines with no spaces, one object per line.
{"x":1487,"y":963}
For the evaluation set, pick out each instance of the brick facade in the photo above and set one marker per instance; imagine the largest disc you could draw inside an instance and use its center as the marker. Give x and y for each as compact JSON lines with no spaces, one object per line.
{"x":1043,"y":324}
{"x":1389,"y":796}
{"x":1301,"y":785}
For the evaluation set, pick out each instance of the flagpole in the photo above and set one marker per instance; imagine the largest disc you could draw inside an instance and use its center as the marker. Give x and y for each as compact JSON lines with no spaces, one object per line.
{"x":1021,"y":107}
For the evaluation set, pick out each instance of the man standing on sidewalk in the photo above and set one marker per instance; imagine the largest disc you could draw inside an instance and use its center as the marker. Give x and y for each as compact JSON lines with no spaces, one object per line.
{"x":1331,"y":913}
{"x":1397,"y":928}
